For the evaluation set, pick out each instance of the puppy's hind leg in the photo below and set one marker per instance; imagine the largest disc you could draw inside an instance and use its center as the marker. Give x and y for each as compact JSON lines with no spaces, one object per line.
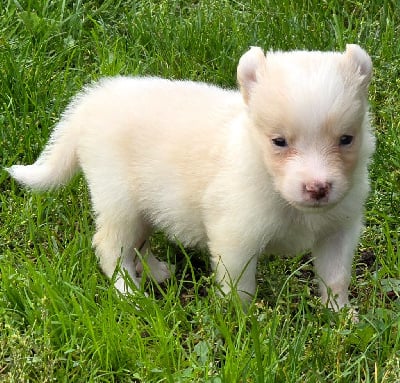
{"x":119,"y":231}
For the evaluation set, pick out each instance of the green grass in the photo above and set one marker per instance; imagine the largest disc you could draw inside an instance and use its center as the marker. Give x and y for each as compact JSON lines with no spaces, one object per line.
{"x":60,"y":318}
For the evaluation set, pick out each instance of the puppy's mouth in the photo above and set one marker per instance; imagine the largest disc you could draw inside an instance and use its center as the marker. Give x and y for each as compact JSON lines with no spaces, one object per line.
{"x":313,"y":207}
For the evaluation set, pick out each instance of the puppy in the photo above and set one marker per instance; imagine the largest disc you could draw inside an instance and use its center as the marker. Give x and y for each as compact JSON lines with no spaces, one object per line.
{"x":279,"y":167}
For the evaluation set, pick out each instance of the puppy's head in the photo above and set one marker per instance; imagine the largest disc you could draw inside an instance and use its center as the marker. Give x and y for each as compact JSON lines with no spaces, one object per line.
{"x":309,"y":113}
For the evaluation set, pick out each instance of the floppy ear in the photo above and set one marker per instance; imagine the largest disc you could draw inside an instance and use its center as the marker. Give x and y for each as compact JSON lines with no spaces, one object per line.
{"x":248,"y":70}
{"x":362,"y":62}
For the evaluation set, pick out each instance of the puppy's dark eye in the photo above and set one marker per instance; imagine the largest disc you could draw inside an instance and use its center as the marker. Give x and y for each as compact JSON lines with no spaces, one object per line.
{"x":279,"y":141}
{"x":345,"y":140}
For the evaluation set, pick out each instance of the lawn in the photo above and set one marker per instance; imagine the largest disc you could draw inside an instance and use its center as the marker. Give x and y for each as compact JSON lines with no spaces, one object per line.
{"x":60,"y":318}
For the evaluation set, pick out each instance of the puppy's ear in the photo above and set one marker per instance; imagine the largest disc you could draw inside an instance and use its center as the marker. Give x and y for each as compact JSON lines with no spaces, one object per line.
{"x":250,"y":65}
{"x":361,"y":61}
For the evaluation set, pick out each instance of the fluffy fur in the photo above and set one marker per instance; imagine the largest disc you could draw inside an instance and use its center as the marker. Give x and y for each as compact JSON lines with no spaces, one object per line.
{"x":279,"y":167}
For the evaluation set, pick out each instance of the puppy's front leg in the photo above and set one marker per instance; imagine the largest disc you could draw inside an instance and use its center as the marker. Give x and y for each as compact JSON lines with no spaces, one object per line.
{"x":333,"y":257}
{"x":234,"y":268}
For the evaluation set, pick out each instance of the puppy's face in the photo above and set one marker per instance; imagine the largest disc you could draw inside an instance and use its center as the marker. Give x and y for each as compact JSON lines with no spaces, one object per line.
{"x":309,"y":115}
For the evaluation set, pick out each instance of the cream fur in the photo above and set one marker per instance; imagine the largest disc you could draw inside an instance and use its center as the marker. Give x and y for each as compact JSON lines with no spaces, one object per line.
{"x":243,"y":173}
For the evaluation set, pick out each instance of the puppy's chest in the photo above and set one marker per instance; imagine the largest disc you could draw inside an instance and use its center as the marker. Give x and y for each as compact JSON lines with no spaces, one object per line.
{"x":292,"y":237}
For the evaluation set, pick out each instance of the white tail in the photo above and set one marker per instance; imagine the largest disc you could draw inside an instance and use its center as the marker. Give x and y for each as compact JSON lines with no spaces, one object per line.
{"x":55,"y":166}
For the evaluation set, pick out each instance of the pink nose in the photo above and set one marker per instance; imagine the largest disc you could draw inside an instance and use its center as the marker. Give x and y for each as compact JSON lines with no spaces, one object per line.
{"x":317,"y":190}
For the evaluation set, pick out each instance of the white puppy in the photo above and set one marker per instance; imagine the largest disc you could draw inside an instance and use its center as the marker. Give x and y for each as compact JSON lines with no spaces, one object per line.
{"x":279,"y":167}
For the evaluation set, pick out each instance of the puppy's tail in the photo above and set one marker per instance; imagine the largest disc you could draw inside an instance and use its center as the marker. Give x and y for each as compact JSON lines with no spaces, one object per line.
{"x":57,"y":163}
